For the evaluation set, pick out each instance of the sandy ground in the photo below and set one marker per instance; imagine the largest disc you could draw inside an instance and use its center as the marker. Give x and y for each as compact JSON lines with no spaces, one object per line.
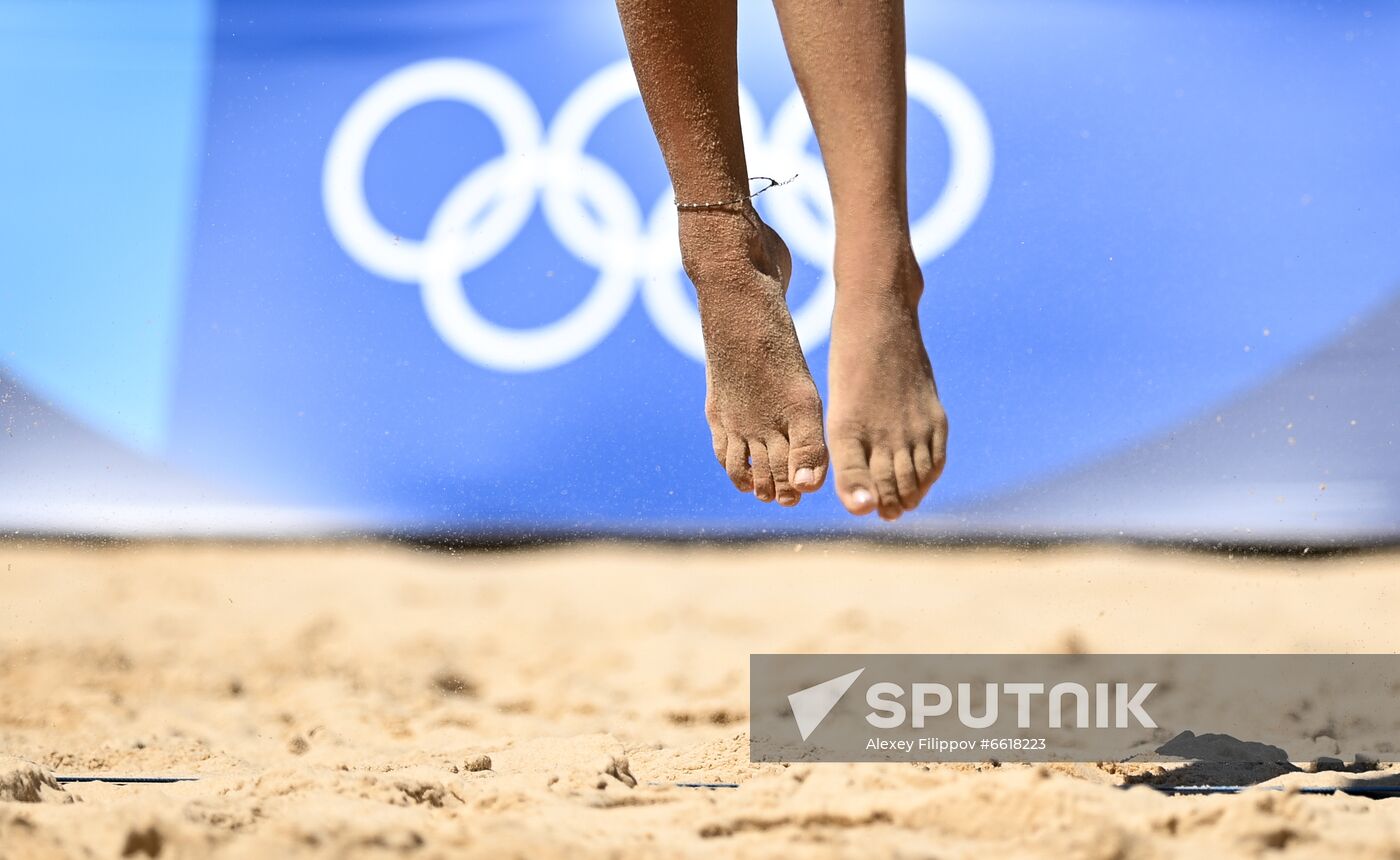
{"x":380,"y":700}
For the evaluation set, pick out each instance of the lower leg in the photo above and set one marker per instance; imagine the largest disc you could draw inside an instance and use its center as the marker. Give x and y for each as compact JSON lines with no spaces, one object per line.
{"x":685,"y":57}
{"x":888,"y":430}
{"x":761,"y":404}
{"x":849,"y":62}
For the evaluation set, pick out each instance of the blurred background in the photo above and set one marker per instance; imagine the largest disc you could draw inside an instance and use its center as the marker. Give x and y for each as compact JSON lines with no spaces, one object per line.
{"x":409,"y":268}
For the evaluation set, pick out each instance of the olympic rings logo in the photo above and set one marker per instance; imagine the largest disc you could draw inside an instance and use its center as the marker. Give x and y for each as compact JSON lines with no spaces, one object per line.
{"x":595,"y":215}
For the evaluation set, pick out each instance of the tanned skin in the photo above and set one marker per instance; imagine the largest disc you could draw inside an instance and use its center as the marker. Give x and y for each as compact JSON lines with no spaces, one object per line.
{"x":887,"y":428}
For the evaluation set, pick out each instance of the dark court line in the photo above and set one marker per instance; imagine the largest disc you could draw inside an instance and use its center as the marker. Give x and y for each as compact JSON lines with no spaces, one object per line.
{"x":124,"y":780}
{"x":1376,"y":792}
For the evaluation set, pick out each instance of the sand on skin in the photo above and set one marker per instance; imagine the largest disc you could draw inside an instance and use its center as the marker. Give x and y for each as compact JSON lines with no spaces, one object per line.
{"x":344,"y":699}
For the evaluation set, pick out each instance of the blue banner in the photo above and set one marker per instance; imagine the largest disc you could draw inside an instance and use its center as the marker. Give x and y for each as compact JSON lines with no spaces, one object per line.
{"x":411,"y":266}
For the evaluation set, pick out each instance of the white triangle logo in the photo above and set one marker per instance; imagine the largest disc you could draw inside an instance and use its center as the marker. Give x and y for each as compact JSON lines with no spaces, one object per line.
{"x":810,"y":706}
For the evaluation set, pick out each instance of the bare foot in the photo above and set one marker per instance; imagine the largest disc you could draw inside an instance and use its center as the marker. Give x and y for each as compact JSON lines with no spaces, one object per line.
{"x":763,"y":409}
{"x":888,"y":430}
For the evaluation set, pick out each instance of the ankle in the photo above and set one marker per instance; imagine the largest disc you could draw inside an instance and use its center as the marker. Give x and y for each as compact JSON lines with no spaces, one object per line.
{"x":715,"y":241}
{"x":879,"y":272}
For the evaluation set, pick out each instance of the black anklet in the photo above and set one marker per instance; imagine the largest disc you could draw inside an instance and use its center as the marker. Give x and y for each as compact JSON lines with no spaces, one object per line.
{"x":720,"y":204}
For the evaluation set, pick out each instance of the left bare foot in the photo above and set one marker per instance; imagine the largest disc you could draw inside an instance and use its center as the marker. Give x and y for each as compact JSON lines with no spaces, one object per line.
{"x":887,"y":430}
{"x":764,"y":412}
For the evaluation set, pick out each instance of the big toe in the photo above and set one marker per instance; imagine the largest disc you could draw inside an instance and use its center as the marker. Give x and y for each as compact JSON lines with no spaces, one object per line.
{"x":807,"y":455}
{"x":854,"y":483}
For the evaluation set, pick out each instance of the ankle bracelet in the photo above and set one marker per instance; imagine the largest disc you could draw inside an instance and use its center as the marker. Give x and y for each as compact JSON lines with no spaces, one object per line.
{"x":721,"y":204}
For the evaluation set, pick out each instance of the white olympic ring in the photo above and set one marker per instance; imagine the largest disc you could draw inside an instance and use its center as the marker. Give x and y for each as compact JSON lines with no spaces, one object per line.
{"x":594,"y":214}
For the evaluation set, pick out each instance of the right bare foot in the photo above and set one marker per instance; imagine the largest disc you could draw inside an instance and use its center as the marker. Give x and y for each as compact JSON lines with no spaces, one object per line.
{"x":888,"y":428}
{"x":764,"y":412}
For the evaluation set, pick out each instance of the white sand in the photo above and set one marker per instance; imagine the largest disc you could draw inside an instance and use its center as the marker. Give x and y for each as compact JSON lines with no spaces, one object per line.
{"x":342,"y":699}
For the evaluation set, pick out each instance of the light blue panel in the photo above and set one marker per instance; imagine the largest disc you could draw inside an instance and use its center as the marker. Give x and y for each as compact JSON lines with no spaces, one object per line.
{"x":99,"y":139}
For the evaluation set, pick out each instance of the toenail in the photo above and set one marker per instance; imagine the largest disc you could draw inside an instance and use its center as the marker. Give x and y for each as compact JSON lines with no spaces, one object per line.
{"x":862,"y":497}
{"x":805,"y":476}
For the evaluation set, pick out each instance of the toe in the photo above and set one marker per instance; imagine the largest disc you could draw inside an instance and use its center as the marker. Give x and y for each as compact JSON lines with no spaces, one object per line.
{"x":938,"y":447}
{"x":762,"y":474}
{"x":736,"y":463}
{"x":923,"y":467}
{"x":778,"y":462}
{"x":854,"y":484}
{"x":906,"y":479}
{"x":807,"y":458}
{"x":882,"y":470}
{"x":719,"y":440}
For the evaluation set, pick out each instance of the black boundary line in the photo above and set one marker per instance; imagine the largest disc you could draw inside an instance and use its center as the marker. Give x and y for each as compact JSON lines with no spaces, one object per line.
{"x":1375,"y":792}
{"x":124,"y":780}
{"x":496,"y":540}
